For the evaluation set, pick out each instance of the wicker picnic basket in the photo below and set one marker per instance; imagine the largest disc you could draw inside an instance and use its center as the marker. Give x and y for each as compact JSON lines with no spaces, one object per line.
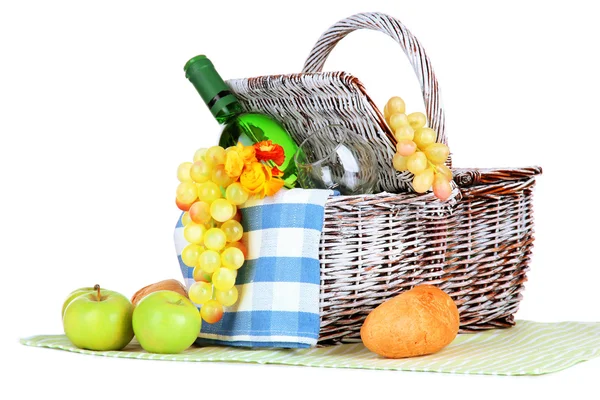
{"x":476,"y":246}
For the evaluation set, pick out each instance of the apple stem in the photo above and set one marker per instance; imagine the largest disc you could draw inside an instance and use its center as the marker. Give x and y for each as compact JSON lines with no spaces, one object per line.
{"x":97,"y":287}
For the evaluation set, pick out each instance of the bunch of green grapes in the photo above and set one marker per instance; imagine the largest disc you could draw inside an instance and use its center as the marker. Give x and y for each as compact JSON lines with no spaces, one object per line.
{"x":417,"y":150}
{"x":212,"y":229}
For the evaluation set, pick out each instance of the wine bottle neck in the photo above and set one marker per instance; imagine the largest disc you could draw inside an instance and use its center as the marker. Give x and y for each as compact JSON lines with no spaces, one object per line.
{"x":212,"y":88}
{"x":228,"y":112}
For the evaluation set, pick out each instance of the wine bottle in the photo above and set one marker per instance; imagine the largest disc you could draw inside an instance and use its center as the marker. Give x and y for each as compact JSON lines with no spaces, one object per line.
{"x":239,"y":126}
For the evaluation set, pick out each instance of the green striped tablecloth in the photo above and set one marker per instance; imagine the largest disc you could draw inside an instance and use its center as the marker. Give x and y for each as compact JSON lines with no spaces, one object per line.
{"x":529,"y":348}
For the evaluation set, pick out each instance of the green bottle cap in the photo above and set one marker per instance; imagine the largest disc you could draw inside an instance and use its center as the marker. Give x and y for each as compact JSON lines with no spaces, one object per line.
{"x":201,"y":72}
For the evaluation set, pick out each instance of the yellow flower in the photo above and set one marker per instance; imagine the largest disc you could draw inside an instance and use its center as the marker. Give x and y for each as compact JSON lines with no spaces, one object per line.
{"x":248,"y":153}
{"x":236,"y":157}
{"x":258,"y":179}
{"x":234,"y":164}
{"x":253,"y":178}
{"x":272,"y":186}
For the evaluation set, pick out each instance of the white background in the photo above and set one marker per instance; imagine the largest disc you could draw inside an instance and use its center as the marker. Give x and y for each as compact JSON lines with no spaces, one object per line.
{"x":96,"y":115}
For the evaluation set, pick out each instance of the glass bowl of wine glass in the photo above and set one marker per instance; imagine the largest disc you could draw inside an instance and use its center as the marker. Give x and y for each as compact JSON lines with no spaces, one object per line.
{"x":336,"y":158}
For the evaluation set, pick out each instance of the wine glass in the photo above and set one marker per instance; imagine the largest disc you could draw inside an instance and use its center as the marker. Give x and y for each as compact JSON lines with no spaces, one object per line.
{"x":336,"y":158}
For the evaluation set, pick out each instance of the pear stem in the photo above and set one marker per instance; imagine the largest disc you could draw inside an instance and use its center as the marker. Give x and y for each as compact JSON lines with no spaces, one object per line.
{"x":97,"y":287}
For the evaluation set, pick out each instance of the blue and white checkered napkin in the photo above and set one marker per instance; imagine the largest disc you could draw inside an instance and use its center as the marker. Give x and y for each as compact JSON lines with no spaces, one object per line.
{"x":278,"y":285}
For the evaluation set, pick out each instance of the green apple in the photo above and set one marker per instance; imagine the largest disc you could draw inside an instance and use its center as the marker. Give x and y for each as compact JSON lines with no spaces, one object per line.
{"x":100,"y":320}
{"x":166,"y":322}
{"x":74,"y":294}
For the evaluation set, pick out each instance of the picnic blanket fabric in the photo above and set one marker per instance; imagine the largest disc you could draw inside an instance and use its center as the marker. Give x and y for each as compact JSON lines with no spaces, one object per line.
{"x":529,"y":348}
{"x":279,"y":283}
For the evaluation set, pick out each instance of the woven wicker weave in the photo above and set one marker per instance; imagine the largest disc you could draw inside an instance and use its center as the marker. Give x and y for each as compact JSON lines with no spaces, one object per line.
{"x":476,"y":246}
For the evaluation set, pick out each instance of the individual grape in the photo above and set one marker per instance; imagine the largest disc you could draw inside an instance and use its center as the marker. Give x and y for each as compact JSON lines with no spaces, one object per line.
{"x":183,"y":172}
{"x":233,"y":230}
{"x":437,"y":153}
{"x":215,"y":239}
{"x":232,"y":258}
{"x":224,"y":278}
{"x":200,"y":212}
{"x":417,"y":120}
{"x":221,"y":210}
{"x":183,"y":206}
{"x":199,"y":154}
{"x":227,"y":298}
{"x":209,"y":261}
{"x":399,"y":162}
{"x":215,"y":155}
{"x":423,"y":180}
{"x":194,"y":232}
{"x":240,"y":246}
{"x":441,"y":187}
{"x":236,"y":194}
{"x":395,"y":105}
{"x":416,"y":162}
{"x":209,"y":191}
{"x":190,"y":254}
{"x":200,"y":275}
{"x":398,"y":121}
{"x":444,"y":171}
{"x":185,"y":218}
{"x":187,"y":192}
{"x":211,"y":311}
{"x":404,"y":133}
{"x":200,"y":171}
{"x":406,"y":147}
{"x":220,"y":177}
{"x":200,"y":292}
{"x":424,"y":137}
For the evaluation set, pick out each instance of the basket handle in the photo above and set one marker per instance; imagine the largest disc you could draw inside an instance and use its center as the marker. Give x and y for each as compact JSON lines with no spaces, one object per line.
{"x":411,"y":46}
